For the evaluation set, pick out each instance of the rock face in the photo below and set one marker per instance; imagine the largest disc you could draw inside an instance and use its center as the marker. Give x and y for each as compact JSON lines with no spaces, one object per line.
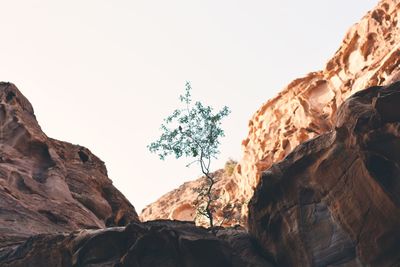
{"x":368,"y":56}
{"x":152,"y":244}
{"x":46,"y":185}
{"x":335,"y":200}
{"x":182,"y":200}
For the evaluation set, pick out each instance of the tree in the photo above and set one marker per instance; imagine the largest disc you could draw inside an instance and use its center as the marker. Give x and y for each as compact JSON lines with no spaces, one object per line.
{"x":193,"y":132}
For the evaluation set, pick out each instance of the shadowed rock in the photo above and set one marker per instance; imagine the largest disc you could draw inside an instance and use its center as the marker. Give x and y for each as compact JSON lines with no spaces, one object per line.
{"x":47,"y":185}
{"x":335,"y":200}
{"x":151,"y":244}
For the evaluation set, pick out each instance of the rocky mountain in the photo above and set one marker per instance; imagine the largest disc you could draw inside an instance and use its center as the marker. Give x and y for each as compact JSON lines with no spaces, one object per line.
{"x":46,"y":185}
{"x":369,"y":55}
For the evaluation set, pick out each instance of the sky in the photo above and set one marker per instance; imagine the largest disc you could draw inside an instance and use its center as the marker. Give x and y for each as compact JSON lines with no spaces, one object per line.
{"x":103,"y":74}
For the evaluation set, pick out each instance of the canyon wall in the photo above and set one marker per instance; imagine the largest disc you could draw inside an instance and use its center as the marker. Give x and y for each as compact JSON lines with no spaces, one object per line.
{"x":369,"y":55}
{"x":335,"y":200}
{"x":48,"y":185}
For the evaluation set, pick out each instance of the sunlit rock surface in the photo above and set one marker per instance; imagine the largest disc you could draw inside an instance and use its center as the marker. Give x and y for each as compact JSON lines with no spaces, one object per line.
{"x":179,"y":204}
{"x":368,"y":56}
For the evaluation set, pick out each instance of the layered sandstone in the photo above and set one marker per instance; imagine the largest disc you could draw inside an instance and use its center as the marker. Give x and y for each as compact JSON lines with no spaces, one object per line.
{"x":47,"y":185}
{"x":369,"y":55}
{"x":179,"y":204}
{"x":335,"y":200}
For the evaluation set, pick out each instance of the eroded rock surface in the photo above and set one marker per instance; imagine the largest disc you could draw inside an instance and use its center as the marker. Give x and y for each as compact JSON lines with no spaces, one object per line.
{"x":182,"y":202}
{"x":306,"y":108}
{"x":151,"y":244}
{"x":369,"y":55}
{"x":335,"y":200}
{"x":46,"y":185}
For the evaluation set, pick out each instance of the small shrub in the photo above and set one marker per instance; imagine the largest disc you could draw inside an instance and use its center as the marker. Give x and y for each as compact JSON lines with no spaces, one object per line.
{"x":230,"y":166}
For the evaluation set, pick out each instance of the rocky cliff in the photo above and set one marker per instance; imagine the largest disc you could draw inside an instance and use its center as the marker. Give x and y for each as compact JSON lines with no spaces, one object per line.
{"x":46,"y":185}
{"x":335,"y":200}
{"x":369,"y":55}
{"x":179,"y":203}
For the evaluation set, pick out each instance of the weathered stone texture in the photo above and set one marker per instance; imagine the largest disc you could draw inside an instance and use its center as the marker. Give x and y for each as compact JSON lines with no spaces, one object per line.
{"x":335,"y":200}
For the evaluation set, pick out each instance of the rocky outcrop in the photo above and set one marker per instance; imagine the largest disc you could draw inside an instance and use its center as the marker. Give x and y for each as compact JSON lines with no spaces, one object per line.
{"x":369,"y":55}
{"x":46,"y":185}
{"x":157,"y":243}
{"x":335,"y":200}
{"x":183,"y":200}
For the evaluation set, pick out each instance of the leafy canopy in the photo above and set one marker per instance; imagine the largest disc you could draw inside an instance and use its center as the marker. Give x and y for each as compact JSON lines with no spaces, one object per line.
{"x":192,"y":131}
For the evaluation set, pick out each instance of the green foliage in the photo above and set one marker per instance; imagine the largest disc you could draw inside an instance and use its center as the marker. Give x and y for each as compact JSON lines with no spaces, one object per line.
{"x":230,"y":166}
{"x":193,"y":131}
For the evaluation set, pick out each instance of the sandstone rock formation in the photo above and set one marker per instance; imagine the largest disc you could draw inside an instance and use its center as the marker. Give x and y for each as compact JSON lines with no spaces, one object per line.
{"x":182,"y":200}
{"x":335,"y":200}
{"x":151,"y":244}
{"x":369,"y":55}
{"x":46,"y":185}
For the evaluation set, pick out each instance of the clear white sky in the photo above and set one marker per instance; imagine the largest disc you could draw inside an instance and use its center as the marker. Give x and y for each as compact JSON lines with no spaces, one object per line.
{"x":103,"y":74}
